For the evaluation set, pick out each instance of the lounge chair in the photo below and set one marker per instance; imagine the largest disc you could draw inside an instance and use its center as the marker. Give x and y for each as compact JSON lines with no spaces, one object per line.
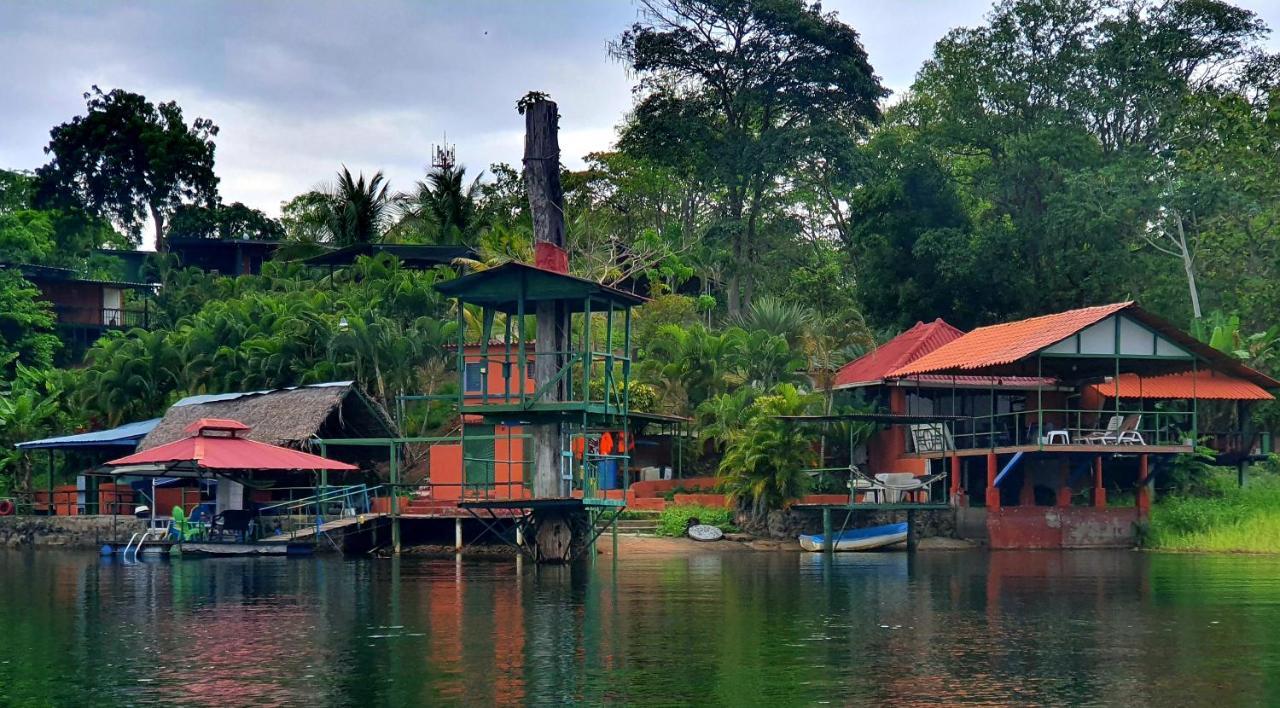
{"x":1107,"y":436}
{"x":1129,"y":432}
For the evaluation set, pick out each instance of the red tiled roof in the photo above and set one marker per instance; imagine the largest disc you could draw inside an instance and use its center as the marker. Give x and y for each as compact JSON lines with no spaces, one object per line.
{"x":1006,"y":343}
{"x":903,"y":349}
{"x":1203,"y":385}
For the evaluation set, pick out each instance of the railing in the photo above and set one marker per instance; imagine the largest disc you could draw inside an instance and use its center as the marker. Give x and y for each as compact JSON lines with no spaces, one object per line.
{"x":111,"y":317}
{"x":1049,"y":427}
{"x":582,"y":377}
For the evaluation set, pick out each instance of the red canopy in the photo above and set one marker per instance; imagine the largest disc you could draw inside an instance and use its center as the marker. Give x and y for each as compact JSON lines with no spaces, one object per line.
{"x":215,"y":444}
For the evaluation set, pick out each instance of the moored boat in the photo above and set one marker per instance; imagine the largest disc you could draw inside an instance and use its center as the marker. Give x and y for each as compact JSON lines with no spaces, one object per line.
{"x":864,"y":539}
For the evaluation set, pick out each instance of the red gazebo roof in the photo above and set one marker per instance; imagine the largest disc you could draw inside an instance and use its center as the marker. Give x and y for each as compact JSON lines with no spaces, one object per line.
{"x":215,"y":444}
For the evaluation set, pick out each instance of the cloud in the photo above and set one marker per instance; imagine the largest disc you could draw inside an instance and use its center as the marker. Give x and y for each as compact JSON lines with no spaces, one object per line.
{"x":301,"y":87}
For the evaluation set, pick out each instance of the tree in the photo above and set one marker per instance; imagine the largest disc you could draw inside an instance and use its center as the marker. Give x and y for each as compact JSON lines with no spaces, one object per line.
{"x":443,"y":208}
{"x":733,"y":94}
{"x":229,"y":221}
{"x":127,"y":158}
{"x":26,"y":326}
{"x":763,"y":465}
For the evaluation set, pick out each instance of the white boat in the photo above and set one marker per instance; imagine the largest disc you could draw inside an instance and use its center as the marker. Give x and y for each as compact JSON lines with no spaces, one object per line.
{"x":864,"y":539}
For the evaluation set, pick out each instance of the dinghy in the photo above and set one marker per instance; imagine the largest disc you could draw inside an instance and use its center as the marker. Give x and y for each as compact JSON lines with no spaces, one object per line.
{"x":865,"y":539}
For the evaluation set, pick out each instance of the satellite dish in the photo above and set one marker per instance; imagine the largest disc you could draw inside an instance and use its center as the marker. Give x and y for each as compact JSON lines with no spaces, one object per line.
{"x":705,"y":532}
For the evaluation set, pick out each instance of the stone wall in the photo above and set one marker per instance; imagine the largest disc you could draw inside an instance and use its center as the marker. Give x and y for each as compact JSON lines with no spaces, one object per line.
{"x":791,"y":523}
{"x":77,"y":532}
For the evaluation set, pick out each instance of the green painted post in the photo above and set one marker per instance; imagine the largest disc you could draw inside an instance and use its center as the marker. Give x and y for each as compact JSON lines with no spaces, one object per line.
{"x":394,"y":471}
{"x":586,"y":352}
{"x":614,"y":528}
{"x":50,"y":509}
{"x":828,"y":543}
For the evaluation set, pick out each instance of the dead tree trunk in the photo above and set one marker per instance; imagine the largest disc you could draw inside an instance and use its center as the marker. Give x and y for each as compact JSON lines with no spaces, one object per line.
{"x":546,"y":204}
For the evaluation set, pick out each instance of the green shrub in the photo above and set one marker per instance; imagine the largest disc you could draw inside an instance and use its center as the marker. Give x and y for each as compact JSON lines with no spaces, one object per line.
{"x":675,"y":519}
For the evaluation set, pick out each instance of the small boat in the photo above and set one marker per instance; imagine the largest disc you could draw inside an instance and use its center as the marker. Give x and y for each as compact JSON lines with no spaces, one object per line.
{"x":865,"y":539}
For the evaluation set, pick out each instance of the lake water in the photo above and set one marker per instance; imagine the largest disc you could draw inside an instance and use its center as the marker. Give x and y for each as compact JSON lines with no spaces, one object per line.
{"x":1119,"y":628}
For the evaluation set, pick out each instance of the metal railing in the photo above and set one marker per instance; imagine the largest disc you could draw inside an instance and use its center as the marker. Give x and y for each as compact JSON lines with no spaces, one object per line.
{"x":111,"y":317}
{"x":1052,"y":426}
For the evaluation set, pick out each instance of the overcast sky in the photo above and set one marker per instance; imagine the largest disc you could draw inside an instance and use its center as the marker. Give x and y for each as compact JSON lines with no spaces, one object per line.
{"x":299,"y":88}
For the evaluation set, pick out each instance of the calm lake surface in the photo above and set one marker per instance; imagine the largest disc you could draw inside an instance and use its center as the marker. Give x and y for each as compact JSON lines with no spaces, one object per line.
{"x":1119,"y":628}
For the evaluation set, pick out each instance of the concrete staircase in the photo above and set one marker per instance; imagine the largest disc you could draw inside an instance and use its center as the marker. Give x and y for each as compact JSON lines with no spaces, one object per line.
{"x":645,"y":526}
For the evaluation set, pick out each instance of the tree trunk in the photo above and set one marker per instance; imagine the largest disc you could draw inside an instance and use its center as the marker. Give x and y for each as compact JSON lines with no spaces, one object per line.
{"x":1188,"y":265}
{"x":162,"y":238}
{"x":546,"y":204}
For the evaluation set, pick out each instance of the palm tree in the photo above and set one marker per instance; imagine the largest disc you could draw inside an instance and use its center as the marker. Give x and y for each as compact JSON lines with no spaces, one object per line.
{"x":445,"y":205}
{"x":358,"y":211}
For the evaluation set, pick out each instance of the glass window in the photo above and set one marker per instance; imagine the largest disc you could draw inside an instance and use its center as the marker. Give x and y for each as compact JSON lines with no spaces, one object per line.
{"x":472,"y":377}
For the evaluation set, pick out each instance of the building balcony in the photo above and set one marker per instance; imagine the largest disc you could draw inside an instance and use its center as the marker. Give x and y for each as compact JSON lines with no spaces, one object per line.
{"x":104,"y":317}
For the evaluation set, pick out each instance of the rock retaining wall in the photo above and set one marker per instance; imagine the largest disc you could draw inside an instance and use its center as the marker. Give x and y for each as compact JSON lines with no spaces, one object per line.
{"x":79,"y":532}
{"x":793,"y":522}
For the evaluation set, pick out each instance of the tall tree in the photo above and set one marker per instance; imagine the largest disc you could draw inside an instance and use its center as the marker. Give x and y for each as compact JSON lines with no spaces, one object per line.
{"x":224,"y":221}
{"x":734,"y":93}
{"x":127,"y":158}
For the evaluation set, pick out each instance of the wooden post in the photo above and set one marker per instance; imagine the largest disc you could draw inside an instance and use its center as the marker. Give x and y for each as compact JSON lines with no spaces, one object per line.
{"x":828,"y":543}
{"x":993,"y":492}
{"x":913,"y":536}
{"x":1144,"y":487}
{"x":1099,"y":493}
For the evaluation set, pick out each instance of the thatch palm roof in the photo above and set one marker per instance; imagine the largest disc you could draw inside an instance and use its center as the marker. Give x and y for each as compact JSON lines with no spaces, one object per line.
{"x":290,"y":417}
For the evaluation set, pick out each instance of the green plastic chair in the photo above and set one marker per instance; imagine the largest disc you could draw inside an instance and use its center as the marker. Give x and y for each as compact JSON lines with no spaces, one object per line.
{"x":182,"y":529}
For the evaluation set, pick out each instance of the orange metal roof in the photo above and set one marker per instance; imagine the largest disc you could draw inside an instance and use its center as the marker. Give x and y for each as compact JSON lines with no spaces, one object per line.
{"x":1006,"y":343}
{"x":1203,"y":385}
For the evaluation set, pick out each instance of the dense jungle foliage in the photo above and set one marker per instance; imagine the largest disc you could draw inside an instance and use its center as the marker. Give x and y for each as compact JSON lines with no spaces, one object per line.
{"x":781,"y":209}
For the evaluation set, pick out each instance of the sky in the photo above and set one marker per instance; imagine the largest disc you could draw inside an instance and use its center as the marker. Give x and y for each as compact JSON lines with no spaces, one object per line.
{"x":300,"y":88}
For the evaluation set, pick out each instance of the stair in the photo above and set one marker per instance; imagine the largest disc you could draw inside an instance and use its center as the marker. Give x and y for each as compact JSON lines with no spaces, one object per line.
{"x":648,"y":525}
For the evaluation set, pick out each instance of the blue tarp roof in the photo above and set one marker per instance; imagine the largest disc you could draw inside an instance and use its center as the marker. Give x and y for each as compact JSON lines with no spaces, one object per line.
{"x":127,"y":435}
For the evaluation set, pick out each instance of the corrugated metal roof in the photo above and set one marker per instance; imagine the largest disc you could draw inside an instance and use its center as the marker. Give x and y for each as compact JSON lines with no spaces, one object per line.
{"x":126,"y":435}
{"x":228,"y":453}
{"x":1203,"y":385}
{"x":874,"y":367}
{"x":903,"y":349}
{"x":214,"y":397}
{"x":1006,"y":343}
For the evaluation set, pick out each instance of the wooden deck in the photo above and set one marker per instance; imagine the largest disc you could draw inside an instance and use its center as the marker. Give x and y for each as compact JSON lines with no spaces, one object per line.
{"x":1074,"y":448}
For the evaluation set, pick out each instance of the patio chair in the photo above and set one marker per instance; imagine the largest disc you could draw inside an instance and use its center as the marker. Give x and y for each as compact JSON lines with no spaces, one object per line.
{"x":1130,"y":431}
{"x":1106,"y":436}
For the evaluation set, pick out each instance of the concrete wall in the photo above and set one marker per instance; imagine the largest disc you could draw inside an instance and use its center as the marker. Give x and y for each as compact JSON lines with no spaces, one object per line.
{"x":79,"y":532}
{"x":1044,"y":527}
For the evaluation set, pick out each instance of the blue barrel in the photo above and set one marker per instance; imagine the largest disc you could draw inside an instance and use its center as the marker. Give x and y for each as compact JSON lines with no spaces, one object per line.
{"x":608,"y":474}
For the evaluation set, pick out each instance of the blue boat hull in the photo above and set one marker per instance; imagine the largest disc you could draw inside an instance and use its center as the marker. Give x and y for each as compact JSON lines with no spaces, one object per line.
{"x":865,"y":539}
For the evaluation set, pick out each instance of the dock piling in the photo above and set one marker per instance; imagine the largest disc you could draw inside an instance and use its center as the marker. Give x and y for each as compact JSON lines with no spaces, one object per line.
{"x":828,"y":543}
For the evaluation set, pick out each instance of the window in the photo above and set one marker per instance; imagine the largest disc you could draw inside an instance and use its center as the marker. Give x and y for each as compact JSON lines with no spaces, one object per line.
{"x":473,"y":379}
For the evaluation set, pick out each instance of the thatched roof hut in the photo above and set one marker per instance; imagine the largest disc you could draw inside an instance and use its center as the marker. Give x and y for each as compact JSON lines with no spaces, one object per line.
{"x":290,"y":417}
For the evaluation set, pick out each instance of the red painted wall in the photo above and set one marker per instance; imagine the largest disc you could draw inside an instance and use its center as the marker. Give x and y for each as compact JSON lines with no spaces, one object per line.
{"x":1061,"y":527}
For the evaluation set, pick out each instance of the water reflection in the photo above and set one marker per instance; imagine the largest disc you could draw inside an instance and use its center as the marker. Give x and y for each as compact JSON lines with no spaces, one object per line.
{"x":733,"y":629}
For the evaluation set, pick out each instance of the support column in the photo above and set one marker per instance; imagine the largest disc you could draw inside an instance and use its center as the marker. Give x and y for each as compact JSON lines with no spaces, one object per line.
{"x":1064,"y":485}
{"x":993,"y":493}
{"x":828,"y":543}
{"x":956,"y":495}
{"x":1099,"y":494}
{"x":1027,"y":493}
{"x":913,"y":536}
{"x":1144,"y":487}
{"x":457,"y":534}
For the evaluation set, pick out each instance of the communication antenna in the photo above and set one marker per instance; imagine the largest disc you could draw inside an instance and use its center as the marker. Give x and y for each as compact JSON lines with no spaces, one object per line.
{"x":443,"y":156}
